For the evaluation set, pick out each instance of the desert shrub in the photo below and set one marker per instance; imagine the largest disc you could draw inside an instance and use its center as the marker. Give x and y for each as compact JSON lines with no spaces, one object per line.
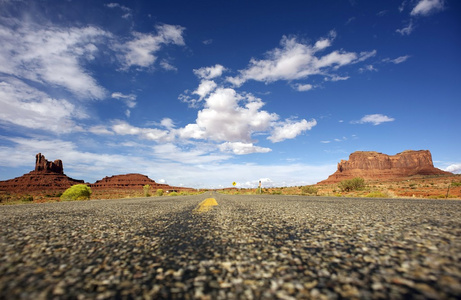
{"x":77,"y":192}
{"x":456,"y":183}
{"x":159,"y":192}
{"x":276,"y":192}
{"x":354,"y":184}
{"x":146,"y":190}
{"x":376,"y":194}
{"x":173,"y":194}
{"x":27,"y":198}
{"x":309,"y":189}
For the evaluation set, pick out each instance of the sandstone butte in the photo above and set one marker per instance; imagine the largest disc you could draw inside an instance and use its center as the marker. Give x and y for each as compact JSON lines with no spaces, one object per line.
{"x":49,"y":176}
{"x":371,"y":165}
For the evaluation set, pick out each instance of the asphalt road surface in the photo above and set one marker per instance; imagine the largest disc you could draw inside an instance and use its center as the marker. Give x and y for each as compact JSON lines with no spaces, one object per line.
{"x":245,"y":247}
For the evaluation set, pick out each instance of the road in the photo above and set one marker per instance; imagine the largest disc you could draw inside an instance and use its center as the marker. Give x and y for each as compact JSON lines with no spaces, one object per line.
{"x":245,"y":247}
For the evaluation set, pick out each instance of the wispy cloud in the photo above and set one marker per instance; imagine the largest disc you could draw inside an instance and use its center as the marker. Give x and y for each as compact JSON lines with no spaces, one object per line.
{"x":52,"y":55}
{"x":374,"y":119}
{"x":427,"y":7}
{"x":141,"y":50}
{"x":407,"y":29}
{"x":397,"y":60}
{"x":295,"y":60}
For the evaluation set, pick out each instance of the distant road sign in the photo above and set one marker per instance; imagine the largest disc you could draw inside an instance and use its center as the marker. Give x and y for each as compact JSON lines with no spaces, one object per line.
{"x":234,"y":183}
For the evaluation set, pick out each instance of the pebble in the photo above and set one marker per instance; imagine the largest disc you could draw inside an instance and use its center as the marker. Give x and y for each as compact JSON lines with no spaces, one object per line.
{"x":247,"y":247}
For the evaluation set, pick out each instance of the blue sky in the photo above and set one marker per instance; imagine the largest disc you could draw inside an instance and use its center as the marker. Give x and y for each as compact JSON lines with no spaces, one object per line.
{"x":204,"y":93}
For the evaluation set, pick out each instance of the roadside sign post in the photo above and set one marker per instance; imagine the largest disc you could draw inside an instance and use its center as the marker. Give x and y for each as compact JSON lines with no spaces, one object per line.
{"x":260,"y":191}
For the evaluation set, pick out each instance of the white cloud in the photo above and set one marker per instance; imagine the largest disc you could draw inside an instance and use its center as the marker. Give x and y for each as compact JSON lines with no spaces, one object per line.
{"x":198,"y":154}
{"x":295,"y":60}
{"x":167,"y":123}
{"x":52,"y":55}
{"x":26,"y":106}
{"x":210,"y":72}
{"x":126,"y":10}
{"x":406,"y":30}
{"x":397,"y":60}
{"x":304,"y":87}
{"x":141,"y":51}
{"x":290,"y":129}
{"x":374,"y":119}
{"x":100,"y":130}
{"x":153,"y":134}
{"x":336,"y":78}
{"x":130,"y":99}
{"x":427,"y":7}
{"x":223,"y":119}
{"x":205,"y":87}
{"x":167,"y":66}
{"x":195,"y":168}
{"x":240,"y":148}
{"x":454,"y":168}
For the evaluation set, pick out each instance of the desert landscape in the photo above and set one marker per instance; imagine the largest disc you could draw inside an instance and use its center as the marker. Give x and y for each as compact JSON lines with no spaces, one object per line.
{"x":409,"y":174}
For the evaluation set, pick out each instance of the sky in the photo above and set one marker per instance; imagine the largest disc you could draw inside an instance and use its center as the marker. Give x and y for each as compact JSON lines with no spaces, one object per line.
{"x":205,"y":93}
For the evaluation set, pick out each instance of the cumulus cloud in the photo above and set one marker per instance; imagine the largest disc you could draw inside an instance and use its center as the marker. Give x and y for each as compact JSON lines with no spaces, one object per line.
{"x":141,"y":51}
{"x":454,"y":168}
{"x":427,"y":7}
{"x":52,"y":55}
{"x":296,"y":60}
{"x":223,"y":119}
{"x":303,"y":87}
{"x":205,"y":87}
{"x":290,"y":129}
{"x":240,"y":148}
{"x":210,"y":72}
{"x":374,"y":119}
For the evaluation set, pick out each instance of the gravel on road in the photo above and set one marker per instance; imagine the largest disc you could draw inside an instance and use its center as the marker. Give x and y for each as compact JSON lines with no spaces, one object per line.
{"x":246,"y":247}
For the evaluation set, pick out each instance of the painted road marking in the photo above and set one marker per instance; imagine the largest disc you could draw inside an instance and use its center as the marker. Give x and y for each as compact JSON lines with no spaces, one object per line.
{"x":206,"y":205}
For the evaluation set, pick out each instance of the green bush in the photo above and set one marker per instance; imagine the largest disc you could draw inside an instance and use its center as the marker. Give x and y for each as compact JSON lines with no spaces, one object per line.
{"x":159,"y":192}
{"x":173,"y":194}
{"x":146,"y":190}
{"x":77,"y":192}
{"x":456,"y":183}
{"x":309,"y":189}
{"x":376,"y":195}
{"x":354,"y":184}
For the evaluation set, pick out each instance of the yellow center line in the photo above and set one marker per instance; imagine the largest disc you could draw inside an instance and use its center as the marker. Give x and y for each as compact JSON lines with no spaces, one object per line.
{"x":206,"y":205}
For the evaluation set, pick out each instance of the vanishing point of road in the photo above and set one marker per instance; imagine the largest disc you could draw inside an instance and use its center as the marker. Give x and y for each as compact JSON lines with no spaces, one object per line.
{"x":232,"y":247}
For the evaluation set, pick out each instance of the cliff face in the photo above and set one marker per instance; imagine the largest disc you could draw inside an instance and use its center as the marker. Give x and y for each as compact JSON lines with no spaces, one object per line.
{"x":374,"y":166}
{"x":127,"y":181}
{"x":46,"y":176}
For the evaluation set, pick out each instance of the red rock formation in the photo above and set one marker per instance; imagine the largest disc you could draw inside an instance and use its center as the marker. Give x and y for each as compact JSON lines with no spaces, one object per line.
{"x":44,"y":166}
{"x":46,"y":176}
{"x":127,"y":181}
{"x":372,"y":165}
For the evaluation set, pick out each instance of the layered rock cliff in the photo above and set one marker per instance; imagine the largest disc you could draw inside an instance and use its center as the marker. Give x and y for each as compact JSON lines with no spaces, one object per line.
{"x":46,"y":176}
{"x":127,"y":181}
{"x":373,"y":165}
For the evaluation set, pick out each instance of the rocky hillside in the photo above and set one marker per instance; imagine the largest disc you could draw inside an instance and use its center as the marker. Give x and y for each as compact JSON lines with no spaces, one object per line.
{"x":373,"y":165}
{"x":47,"y":176}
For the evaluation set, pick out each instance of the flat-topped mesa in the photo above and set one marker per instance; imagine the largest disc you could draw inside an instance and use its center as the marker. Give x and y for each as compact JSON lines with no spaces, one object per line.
{"x":42,"y":165}
{"x":47,"y":176}
{"x":373,"y":165}
{"x":127,"y":181}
